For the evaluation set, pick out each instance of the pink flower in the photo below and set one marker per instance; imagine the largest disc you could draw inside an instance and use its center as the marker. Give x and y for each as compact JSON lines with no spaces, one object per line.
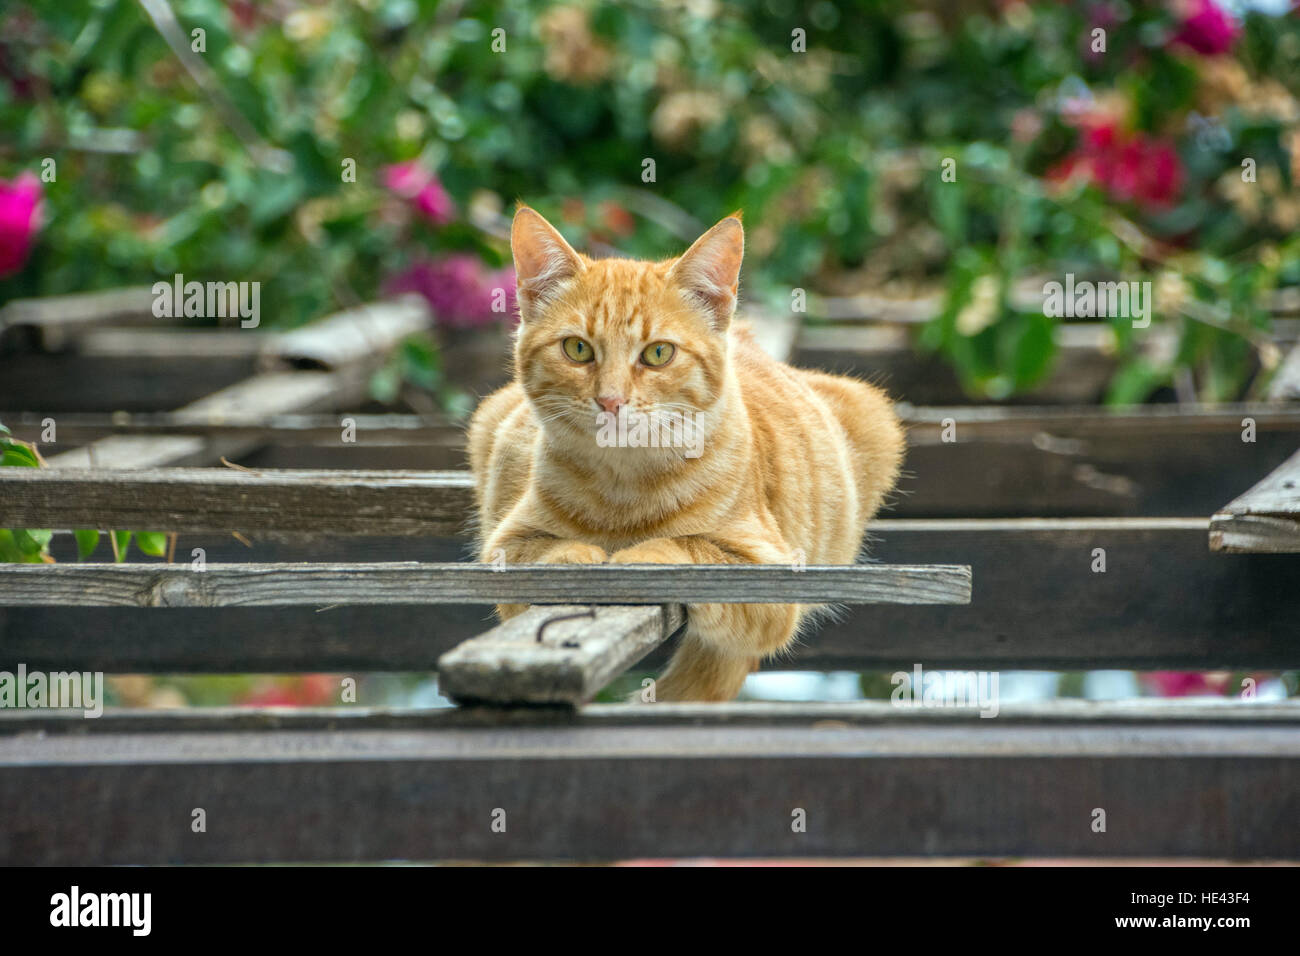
{"x":1186,"y":683}
{"x":460,"y":290}
{"x":20,"y":218}
{"x":413,"y":182}
{"x":1129,"y":167}
{"x":1206,"y":28}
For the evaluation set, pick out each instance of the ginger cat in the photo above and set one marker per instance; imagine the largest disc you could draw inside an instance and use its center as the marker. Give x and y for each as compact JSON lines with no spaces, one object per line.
{"x":780,"y":459}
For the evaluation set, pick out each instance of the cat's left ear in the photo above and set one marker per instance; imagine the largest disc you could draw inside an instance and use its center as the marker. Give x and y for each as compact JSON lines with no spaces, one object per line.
{"x":709,"y":271}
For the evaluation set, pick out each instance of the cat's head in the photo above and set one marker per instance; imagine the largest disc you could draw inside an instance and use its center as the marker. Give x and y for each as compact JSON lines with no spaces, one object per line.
{"x":604,"y":335}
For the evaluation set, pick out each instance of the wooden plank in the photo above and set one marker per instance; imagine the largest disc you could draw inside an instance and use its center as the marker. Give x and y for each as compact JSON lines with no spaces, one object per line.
{"x":1161,"y":460}
{"x":1286,"y":382}
{"x":588,"y":788}
{"x":362,"y":334}
{"x":555,"y":655}
{"x":379,"y":583}
{"x":52,"y":321}
{"x":245,"y":401}
{"x":1164,"y":602}
{"x":74,"y":381}
{"x":885,"y":355}
{"x":223,"y":500}
{"x":1266,"y":518}
{"x":1150,"y":711}
{"x":292,"y":429}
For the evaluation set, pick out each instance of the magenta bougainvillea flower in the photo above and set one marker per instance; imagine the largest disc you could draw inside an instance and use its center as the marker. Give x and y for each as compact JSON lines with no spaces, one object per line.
{"x":462,"y":292}
{"x":1206,"y":28}
{"x":20,"y":219}
{"x":421,"y":188}
{"x":1127,"y":166}
{"x":1186,"y":683}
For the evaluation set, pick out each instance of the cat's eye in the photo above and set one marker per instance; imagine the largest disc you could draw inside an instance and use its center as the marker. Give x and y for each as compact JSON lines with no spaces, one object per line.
{"x":658,"y":353}
{"x":576,"y":349}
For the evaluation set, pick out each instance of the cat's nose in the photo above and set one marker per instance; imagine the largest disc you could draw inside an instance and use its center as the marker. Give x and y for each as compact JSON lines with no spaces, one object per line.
{"x":611,"y":403}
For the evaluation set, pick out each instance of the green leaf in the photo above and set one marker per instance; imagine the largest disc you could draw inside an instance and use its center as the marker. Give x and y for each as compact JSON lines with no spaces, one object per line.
{"x":9,"y":550}
{"x":87,"y":541}
{"x":123,"y":540}
{"x":152,"y":543}
{"x":32,"y":542}
{"x":19,"y":455}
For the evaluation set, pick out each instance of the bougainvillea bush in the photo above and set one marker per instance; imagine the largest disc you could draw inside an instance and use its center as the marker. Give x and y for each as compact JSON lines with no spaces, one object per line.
{"x":1154,"y":141}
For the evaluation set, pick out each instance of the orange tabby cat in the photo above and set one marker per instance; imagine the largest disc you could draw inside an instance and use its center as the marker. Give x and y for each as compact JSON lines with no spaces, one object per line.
{"x":772,"y":464}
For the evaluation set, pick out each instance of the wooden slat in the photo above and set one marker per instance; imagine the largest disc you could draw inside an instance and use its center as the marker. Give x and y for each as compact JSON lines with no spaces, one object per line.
{"x":246,"y":401}
{"x":1147,"y":711}
{"x":660,"y":784}
{"x":555,"y":655}
{"x":1266,"y":518}
{"x":275,"y":585}
{"x":55,"y":320}
{"x":1164,"y":602}
{"x":223,"y":500}
{"x":885,"y":355}
{"x":291,"y":429}
{"x":362,"y":334}
{"x":1286,"y":382}
{"x":1162,"y":460}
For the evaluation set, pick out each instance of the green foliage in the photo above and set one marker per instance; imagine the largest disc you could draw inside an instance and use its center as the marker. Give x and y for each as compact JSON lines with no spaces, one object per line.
{"x":834,"y":154}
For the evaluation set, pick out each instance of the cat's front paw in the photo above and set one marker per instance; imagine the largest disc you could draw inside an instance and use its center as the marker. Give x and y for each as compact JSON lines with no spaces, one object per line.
{"x":574,"y":552}
{"x":654,"y":551}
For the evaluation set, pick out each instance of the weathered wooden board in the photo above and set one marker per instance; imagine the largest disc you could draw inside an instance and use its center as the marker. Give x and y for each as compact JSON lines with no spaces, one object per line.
{"x":379,"y":583}
{"x":1150,"y":711}
{"x":1266,"y":518}
{"x":76,"y":381}
{"x":1164,"y":602}
{"x":885,"y":355}
{"x":290,"y":429}
{"x":1164,"y":460}
{"x":555,"y":655}
{"x":362,"y":334}
{"x":53,"y":321}
{"x":223,"y":500}
{"x":1286,"y":382}
{"x":591,"y":788}
{"x":245,"y":401}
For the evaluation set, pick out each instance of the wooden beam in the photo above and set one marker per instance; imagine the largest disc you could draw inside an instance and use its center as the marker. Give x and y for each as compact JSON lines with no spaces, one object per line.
{"x":245,"y":401}
{"x":286,"y":585}
{"x":53,"y":321}
{"x":363,"y":334}
{"x":886,"y":356}
{"x":291,"y":429}
{"x":1285,"y":385}
{"x":555,"y":655}
{"x":1161,"y":460}
{"x":656,"y":783}
{"x":1062,"y":711}
{"x":223,"y":500}
{"x":1266,"y":519}
{"x":1164,"y":602}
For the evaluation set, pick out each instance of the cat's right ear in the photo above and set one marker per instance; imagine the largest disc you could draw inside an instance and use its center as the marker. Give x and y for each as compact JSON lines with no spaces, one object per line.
{"x":543,"y":260}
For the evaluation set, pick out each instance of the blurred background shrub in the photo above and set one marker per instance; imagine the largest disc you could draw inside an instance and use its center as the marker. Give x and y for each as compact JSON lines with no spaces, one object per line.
{"x":1111,"y":154}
